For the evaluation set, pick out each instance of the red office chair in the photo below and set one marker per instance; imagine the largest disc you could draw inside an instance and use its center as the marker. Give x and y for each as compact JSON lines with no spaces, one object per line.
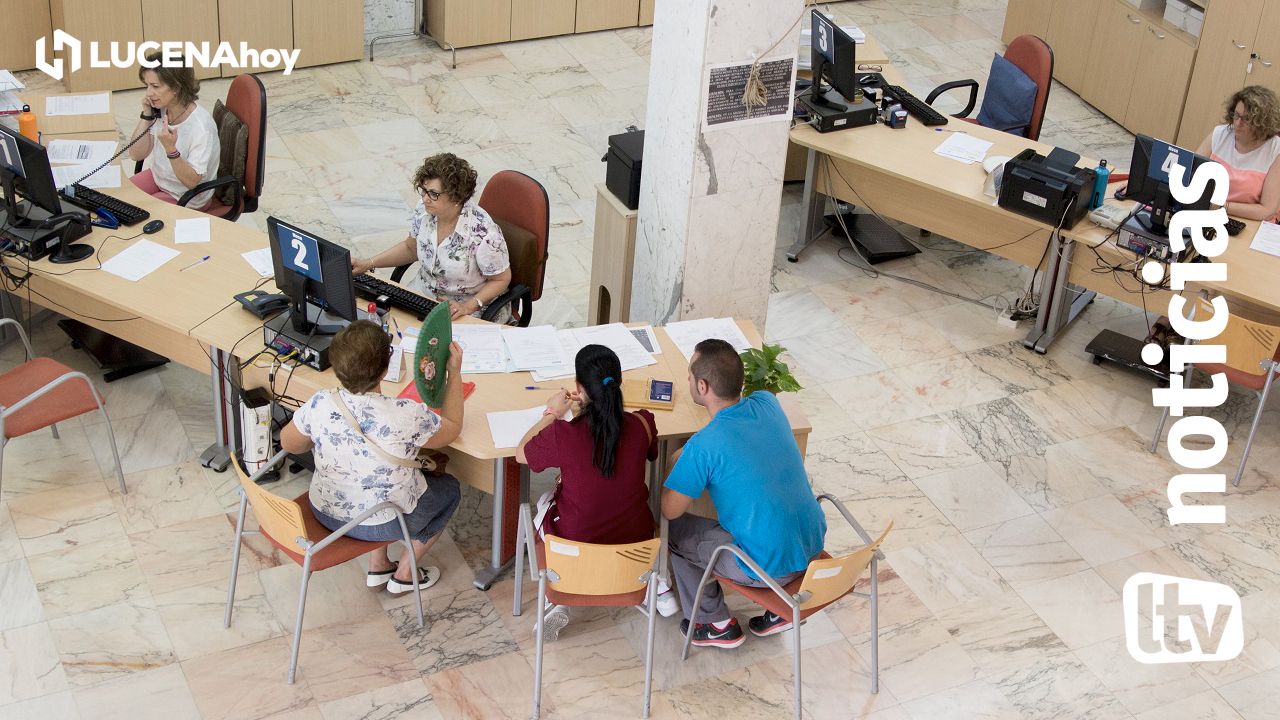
{"x":247,"y":101}
{"x":521,"y":208}
{"x":42,"y":392}
{"x":1032,"y":56}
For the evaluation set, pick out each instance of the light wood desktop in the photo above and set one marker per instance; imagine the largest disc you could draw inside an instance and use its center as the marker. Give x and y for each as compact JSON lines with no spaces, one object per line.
{"x":897,"y":174}
{"x":69,"y":124}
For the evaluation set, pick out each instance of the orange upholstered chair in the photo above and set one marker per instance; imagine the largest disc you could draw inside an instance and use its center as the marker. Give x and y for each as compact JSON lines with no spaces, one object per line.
{"x":826,"y":580}
{"x":1032,"y":56}
{"x":40,"y":393}
{"x":292,"y":526}
{"x":521,"y":208}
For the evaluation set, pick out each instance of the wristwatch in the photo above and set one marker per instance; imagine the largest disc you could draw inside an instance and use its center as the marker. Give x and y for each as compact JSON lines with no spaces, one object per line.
{"x":145,"y":116}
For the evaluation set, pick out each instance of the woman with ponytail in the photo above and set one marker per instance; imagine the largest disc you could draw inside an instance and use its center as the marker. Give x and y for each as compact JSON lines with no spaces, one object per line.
{"x":601,"y":496}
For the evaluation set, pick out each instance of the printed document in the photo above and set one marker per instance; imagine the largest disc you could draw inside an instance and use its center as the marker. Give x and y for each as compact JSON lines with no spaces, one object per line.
{"x":77,"y":104}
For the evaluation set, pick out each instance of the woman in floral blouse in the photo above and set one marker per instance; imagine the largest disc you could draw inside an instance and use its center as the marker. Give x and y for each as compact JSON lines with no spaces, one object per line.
{"x":463,"y":256}
{"x":351,"y":477}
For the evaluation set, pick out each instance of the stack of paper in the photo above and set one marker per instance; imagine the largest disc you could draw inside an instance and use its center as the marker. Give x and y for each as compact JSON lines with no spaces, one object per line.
{"x":615,"y":336}
{"x":107,"y":177}
{"x":508,"y":428}
{"x":81,"y":152}
{"x":688,"y":333}
{"x":1267,"y":240}
{"x":94,"y":104}
{"x":965,"y":148}
{"x":532,"y":347}
{"x":482,"y":349}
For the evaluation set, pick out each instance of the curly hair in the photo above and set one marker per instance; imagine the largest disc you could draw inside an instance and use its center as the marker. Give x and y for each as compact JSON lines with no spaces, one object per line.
{"x":360,"y":354}
{"x":1261,"y":105}
{"x":181,"y":80}
{"x":457,"y":177}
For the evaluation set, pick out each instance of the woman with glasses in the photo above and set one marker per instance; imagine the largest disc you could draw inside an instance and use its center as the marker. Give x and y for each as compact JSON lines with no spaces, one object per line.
{"x":463,"y":256}
{"x":1248,"y":146}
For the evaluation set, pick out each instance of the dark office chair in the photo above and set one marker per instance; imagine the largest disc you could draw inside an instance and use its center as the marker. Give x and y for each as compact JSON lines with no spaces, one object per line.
{"x":521,"y":208}
{"x":242,"y":131}
{"x":1034,"y":58}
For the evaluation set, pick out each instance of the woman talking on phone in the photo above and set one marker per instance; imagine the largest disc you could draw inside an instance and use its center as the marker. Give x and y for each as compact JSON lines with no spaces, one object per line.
{"x":179,"y":136}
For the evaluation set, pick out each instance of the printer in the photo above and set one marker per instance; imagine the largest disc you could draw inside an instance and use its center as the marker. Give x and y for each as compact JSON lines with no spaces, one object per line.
{"x":1049,"y":189}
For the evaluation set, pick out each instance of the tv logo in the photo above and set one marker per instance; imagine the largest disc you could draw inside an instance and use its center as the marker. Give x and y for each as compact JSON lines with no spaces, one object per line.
{"x":62,"y":40}
{"x":172,"y":54}
{"x":1190,"y":620}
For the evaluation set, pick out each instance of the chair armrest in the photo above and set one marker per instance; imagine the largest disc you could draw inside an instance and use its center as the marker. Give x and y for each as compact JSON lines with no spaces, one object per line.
{"x":954,"y":84}
{"x":755,"y":568}
{"x":1010,"y":128}
{"x":857,"y":527}
{"x":213,"y":185}
{"x":399,"y":272}
{"x":22,"y":334}
{"x":515,"y":293}
{"x":354,"y":522}
{"x":137,"y":166}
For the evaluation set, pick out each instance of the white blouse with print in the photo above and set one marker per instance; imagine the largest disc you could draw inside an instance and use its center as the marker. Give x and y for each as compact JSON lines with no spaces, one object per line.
{"x":456,"y":268}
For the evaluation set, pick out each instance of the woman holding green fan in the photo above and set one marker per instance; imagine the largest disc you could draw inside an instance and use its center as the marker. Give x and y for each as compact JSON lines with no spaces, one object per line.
{"x":361,"y":440}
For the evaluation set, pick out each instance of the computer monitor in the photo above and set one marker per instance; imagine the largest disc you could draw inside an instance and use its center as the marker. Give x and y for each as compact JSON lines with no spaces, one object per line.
{"x":1149,"y":181}
{"x":315,"y":274}
{"x":832,"y":59}
{"x":25,"y":170}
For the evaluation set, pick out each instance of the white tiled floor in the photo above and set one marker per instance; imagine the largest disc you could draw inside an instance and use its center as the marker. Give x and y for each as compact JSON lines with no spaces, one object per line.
{"x":1019,"y":485}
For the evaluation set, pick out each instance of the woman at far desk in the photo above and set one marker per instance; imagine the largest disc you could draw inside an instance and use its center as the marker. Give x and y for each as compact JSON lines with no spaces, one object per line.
{"x":178,"y":135}
{"x":463,"y":256}
{"x":1248,"y":147}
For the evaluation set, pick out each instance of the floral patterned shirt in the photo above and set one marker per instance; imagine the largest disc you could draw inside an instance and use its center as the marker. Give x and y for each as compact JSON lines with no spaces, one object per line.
{"x":456,"y":268}
{"x":349,"y":477}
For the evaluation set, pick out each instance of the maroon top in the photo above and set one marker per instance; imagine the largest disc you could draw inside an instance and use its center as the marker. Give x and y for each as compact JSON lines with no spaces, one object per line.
{"x":587,"y":506}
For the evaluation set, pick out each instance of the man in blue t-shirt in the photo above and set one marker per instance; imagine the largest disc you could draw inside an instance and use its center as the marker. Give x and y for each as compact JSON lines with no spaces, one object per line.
{"x":747,"y":459}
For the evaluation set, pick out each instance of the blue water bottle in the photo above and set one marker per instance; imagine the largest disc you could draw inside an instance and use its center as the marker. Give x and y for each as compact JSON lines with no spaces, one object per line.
{"x":1099,"y":185}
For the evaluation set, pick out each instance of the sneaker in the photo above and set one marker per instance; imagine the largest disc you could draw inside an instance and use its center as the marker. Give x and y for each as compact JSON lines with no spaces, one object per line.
{"x":667,"y":603}
{"x":427,"y":576}
{"x":706,"y":634}
{"x":554,"y":621}
{"x":768,"y":624}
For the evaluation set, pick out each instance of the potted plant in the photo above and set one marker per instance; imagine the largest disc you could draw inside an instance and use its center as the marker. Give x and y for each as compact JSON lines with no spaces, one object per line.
{"x":764,"y":371}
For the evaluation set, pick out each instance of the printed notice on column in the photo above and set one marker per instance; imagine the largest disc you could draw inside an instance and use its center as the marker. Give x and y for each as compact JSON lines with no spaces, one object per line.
{"x":725,"y":87}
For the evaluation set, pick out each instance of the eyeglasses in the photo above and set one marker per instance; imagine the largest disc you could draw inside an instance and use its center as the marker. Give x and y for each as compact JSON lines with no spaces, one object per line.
{"x":862,"y":67}
{"x":1233,"y":116}
{"x":432,"y":195}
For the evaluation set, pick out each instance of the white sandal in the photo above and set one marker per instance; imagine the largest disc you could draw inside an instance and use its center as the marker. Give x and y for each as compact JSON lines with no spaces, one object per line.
{"x":427,"y":576}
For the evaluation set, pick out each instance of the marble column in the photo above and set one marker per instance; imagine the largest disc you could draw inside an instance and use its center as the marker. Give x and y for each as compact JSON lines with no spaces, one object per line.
{"x":709,"y":200}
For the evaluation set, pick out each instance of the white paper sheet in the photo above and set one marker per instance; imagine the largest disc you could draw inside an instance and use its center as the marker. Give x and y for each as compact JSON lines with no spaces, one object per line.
{"x":77,"y":104}
{"x":139,"y":260}
{"x":569,"y":347}
{"x":533,"y":347}
{"x":509,"y":427}
{"x":647,"y":338}
{"x":393,"y":367}
{"x":963,"y":147}
{"x":191,"y":230}
{"x":631,"y":354}
{"x":1267,"y":240}
{"x":260,"y":261}
{"x":688,"y":333}
{"x":81,"y":152}
{"x":107,"y":177}
{"x":482,"y":348}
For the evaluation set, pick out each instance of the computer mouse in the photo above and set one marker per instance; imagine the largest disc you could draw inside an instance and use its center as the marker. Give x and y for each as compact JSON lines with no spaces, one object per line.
{"x":153,"y":227}
{"x":871,"y":80}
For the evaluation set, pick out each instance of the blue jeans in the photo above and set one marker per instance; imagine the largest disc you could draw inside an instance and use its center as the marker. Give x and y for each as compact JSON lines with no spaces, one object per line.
{"x":425,"y":521}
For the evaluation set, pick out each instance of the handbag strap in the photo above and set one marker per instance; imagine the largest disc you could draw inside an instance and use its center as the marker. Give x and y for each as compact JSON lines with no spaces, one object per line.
{"x":647,"y":433}
{"x":377,"y":450}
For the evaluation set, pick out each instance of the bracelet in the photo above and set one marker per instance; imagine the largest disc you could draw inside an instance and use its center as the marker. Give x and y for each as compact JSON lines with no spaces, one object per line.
{"x":173,"y":155}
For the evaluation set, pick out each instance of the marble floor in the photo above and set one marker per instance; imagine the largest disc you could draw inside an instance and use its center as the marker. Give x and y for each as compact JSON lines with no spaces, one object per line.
{"x":1019,"y":485}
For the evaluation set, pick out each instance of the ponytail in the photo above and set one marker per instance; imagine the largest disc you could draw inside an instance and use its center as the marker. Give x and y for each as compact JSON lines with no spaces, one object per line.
{"x":600,"y":375}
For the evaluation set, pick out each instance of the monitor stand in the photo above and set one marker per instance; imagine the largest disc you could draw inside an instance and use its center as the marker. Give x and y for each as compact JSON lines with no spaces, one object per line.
{"x":877,"y":240}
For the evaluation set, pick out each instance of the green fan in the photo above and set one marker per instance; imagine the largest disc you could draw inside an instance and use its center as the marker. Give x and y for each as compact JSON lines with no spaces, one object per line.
{"x":433,"y":344}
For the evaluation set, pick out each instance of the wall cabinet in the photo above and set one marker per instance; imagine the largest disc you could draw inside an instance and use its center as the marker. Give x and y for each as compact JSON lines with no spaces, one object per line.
{"x":1030,"y":17}
{"x":192,"y":21}
{"x":607,"y":14}
{"x":646,"y":12}
{"x":1072,"y":42}
{"x":1160,"y":84}
{"x":541,"y":18}
{"x":322,"y":31}
{"x":1266,"y":67}
{"x":24,"y":21}
{"x":1109,"y":75}
{"x":103,"y":21}
{"x":1221,"y":66}
{"x":464,"y":23}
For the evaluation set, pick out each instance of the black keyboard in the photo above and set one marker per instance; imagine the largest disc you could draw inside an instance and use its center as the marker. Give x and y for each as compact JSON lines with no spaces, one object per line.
{"x":1234,"y":227}
{"x":384,"y":293}
{"x":910,"y":103}
{"x":91,"y":199}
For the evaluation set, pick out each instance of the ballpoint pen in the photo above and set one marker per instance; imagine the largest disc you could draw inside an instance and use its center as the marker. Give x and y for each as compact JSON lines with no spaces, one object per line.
{"x":201,"y":260}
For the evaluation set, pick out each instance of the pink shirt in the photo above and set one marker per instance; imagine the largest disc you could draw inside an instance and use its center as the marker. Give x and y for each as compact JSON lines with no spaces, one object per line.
{"x":1247,"y":170}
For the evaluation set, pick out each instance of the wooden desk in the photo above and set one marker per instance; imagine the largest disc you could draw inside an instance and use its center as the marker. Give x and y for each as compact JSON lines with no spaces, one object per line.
{"x":896,"y":173}
{"x":69,"y":124}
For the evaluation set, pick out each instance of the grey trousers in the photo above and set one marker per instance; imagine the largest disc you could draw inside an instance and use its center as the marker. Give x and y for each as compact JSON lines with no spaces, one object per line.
{"x":692,"y":540}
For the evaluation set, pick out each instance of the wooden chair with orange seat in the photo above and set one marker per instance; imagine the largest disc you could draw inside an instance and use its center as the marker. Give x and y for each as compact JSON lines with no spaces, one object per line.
{"x":1252,"y":359}
{"x":826,"y":580}
{"x":578,"y":574}
{"x":1034,"y":58}
{"x":246,"y":102}
{"x":40,"y":393}
{"x":291,"y":526}
{"x":520,"y":207}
